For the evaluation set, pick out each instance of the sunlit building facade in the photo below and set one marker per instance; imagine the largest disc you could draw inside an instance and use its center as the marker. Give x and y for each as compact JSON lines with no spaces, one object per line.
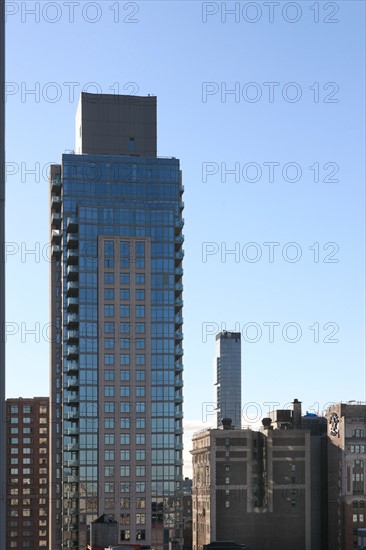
{"x":116,"y":280}
{"x":27,"y":452}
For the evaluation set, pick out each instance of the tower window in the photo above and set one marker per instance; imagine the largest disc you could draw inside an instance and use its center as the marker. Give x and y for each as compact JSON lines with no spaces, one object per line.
{"x":132,"y":145}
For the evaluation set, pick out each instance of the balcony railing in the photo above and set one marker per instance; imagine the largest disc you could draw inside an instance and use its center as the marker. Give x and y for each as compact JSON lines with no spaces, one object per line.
{"x":178,"y":397}
{"x":74,"y":430}
{"x":73,"y":399}
{"x":56,"y":184}
{"x":72,"y":366}
{"x":56,"y":250}
{"x":72,"y":288}
{"x":56,"y":202}
{"x":72,"y":479}
{"x":56,"y":219}
{"x":72,"y":319}
{"x":72,"y":272}
{"x":56,"y":235}
{"x":73,"y":303}
{"x":72,"y":240}
{"x":72,"y":225}
{"x":72,"y":257}
{"x":73,"y":382}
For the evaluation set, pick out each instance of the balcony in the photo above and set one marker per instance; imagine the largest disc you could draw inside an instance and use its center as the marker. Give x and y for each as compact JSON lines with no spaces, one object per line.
{"x":179,"y":223}
{"x":72,"y":288}
{"x":72,"y":273}
{"x":178,"y":320}
{"x":72,"y":320}
{"x":72,"y":544}
{"x":178,"y":302}
{"x":72,"y":240}
{"x":73,"y":447}
{"x":73,"y":382}
{"x":178,"y":350}
{"x":73,"y":398}
{"x":178,"y":271}
{"x":74,"y":430}
{"x":179,"y":255}
{"x":56,"y":219}
{"x":178,"y":365}
{"x":72,"y":352}
{"x":72,"y":335}
{"x":72,"y":257}
{"x":56,"y":236}
{"x":178,"y":462}
{"x":56,"y":202}
{"x":179,"y":239}
{"x":178,"y":397}
{"x":178,"y":287}
{"x":72,"y":367}
{"x":73,"y":303}
{"x":56,"y":184}
{"x":72,"y":511}
{"x":56,"y":250}
{"x":178,"y":446}
{"x":72,"y":225}
{"x":178,"y":414}
{"x":178,"y":382}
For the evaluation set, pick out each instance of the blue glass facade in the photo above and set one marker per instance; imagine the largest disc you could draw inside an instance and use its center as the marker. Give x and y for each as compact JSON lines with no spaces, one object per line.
{"x":119,"y":371}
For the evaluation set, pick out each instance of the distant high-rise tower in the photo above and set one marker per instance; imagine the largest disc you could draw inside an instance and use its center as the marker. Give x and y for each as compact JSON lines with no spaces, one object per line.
{"x":228,"y":377}
{"x":116,"y":305}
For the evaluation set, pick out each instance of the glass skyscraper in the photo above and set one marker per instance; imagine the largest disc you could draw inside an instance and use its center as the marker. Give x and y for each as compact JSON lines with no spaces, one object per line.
{"x":228,"y":377}
{"x":116,"y":309}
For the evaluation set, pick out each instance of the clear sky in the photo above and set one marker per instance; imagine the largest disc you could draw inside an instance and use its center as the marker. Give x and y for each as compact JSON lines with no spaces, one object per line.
{"x":264,"y":103}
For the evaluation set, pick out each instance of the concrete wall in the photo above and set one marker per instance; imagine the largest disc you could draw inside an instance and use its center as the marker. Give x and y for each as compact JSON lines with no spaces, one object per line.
{"x":116,"y":125}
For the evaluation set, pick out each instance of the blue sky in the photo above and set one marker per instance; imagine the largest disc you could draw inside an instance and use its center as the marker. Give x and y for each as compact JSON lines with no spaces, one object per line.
{"x":310,"y":132}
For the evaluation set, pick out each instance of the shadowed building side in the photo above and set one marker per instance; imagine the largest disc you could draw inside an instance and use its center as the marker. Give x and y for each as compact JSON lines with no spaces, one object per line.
{"x":2,"y":276}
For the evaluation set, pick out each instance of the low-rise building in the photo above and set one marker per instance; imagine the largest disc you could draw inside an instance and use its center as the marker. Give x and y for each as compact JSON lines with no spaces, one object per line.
{"x":262,"y":488}
{"x":346,"y":474}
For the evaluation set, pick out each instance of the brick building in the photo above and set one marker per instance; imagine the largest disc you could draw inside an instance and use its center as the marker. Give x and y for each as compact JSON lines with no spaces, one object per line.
{"x":27,"y":463}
